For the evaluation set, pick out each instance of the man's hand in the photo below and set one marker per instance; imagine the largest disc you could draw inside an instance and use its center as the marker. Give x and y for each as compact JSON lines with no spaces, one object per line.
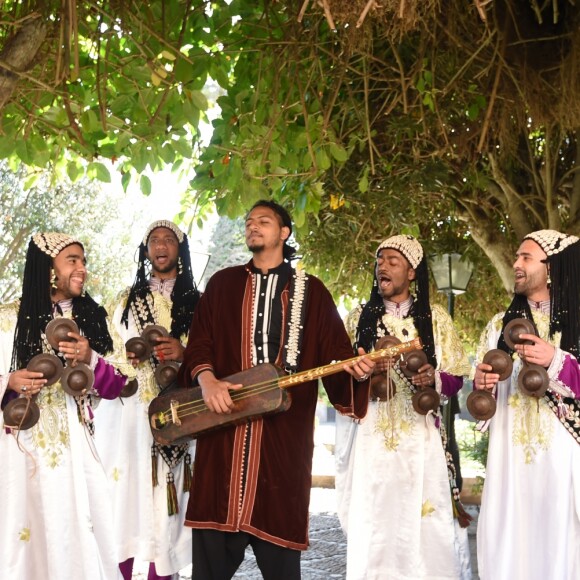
{"x":384,"y":364}
{"x":540,"y":353}
{"x":132,"y":358}
{"x":79,"y":351}
{"x":362,"y":369}
{"x":484,"y":378}
{"x":25,"y":382}
{"x":168,"y":348}
{"x":425,"y":376}
{"x":216,"y":393}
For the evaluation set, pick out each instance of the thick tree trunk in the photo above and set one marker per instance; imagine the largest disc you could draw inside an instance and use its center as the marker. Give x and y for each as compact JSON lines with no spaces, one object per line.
{"x":18,"y":55}
{"x":498,"y":250}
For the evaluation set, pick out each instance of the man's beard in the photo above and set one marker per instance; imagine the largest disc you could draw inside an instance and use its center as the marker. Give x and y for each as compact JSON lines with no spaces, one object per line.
{"x":256,"y":247}
{"x":167,"y":268}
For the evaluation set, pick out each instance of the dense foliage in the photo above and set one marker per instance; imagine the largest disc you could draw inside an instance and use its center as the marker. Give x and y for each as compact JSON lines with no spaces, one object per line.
{"x":456,"y":121}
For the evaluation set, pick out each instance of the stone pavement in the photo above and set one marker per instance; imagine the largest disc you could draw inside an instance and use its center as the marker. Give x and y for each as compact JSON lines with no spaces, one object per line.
{"x":326,"y":557}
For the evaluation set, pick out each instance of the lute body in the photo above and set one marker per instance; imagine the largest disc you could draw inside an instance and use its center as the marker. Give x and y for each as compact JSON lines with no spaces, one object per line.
{"x":180,"y":414}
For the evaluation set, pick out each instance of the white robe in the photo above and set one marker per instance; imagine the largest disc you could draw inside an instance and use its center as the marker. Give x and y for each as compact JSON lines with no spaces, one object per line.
{"x":529,"y":524}
{"x":395,"y":502}
{"x":143,"y":528}
{"x":55,"y":509}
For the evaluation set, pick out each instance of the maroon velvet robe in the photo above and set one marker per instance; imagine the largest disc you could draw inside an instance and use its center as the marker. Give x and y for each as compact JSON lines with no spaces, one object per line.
{"x":273,"y":503}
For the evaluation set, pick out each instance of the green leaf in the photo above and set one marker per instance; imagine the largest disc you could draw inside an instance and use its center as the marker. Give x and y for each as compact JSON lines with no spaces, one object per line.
{"x":199,"y":100}
{"x":338,"y":152}
{"x":96,"y":170}
{"x":183,"y":71}
{"x":73,"y":170}
{"x":6,"y":148}
{"x":145,"y":184}
{"x":31,"y":181}
{"x":472,"y":112}
{"x":363,"y":184}
{"x":25,"y":151}
{"x":322,"y":160}
{"x":90,"y":121}
{"x":125,"y":180}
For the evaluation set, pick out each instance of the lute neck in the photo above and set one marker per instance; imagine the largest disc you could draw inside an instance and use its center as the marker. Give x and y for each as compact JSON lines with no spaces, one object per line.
{"x":335,"y":367}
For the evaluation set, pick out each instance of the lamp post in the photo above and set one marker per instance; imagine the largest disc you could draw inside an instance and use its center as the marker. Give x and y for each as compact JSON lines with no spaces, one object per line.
{"x":199,"y":262}
{"x":452,"y":274}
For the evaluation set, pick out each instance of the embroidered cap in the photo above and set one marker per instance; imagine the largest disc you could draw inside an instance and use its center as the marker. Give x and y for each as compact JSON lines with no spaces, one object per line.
{"x":53,"y":243}
{"x":551,"y":241}
{"x":407,"y":245}
{"x":163,"y":224}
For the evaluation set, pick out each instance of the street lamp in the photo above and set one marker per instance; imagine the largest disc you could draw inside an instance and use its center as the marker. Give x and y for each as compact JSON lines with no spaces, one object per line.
{"x":452,"y":273}
{"x":199,"y":262}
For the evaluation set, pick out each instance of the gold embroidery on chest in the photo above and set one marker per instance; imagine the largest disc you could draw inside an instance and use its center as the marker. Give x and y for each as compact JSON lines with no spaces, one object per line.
{"x":51,"y":434}
{"x":395,"y":418}
{"x":148,"y":388}
{"x":533,"y":425}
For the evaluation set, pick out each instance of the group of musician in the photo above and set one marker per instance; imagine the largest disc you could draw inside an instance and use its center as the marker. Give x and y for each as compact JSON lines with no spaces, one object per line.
{"x":90,"y":482}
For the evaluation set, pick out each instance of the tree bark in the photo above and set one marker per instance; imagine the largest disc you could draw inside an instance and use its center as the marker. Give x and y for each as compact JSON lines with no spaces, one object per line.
{"x":18,"y":55}
{"x":497,"y":249}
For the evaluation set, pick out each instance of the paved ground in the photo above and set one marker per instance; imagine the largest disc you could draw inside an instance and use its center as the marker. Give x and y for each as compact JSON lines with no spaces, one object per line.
{"x":326,"y":557}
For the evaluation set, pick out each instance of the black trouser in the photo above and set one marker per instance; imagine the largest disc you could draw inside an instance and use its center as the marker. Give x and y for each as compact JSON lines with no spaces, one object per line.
{"x":217,"y":555}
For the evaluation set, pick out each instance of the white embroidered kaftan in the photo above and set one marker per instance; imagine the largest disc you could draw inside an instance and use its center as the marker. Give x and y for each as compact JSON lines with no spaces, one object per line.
{"x":143,"y":528}
{"x":56,"y":517}
{"x":395,"y":502}
{"x":529,"y":525}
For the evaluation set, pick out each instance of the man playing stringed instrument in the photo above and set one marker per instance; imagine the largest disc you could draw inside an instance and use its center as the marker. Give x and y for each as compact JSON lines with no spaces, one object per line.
{"x":394,"y":480}
{"x":251,"y":482}
{"x":529,"y":525}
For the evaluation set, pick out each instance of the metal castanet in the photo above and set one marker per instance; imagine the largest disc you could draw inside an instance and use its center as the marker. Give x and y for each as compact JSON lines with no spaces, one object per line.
{"x":152,"y":332}
{"x":180,"y":415}
{"x":515,"y":328}
{"x":49,"y":365}
{"x":57,"y":331}
{"x":533,"y":379}
{"x":481,"y":404}
{"x":166,"y":373}
{"x":129,"y":389}
{"x":382,"y":387}
{"x":77,"y":380}
{"x":139,"y":348}
{"x":21,"y":413}
{"x":142,"y":346}
{"x":424,"y":399}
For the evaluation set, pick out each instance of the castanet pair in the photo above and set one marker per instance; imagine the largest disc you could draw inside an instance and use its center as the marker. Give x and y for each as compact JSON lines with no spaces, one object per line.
{"x":533,"y":379}
{"x":424,"y":399}
{"x":76,"y":378}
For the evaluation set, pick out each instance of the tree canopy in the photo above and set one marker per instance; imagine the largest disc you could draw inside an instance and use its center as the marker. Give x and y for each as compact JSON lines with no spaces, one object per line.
{"x":84,"y":209}
{"x":456,"y":121}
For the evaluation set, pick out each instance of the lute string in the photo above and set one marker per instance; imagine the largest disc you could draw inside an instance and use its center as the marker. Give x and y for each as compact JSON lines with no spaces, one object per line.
{"x":199,"y":406}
